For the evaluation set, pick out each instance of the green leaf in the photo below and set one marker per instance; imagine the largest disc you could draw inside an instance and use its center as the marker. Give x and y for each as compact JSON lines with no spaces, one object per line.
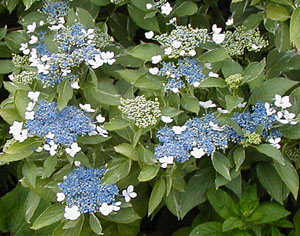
{"x":282,"y":37}
{"x":297,"y":222}
{"x":291,"y":131}
{"x":117,"y":169}
{"x":126,"y":150}
{"x":6,"y":66}
{"x":95,"y":224}
{"x":208,"y":229}
{"x":195,"y":189}
{"x":232,"y":102}
{"x":213,"y":83}
{"x":231,"y":67}
{"x":148,"y":173}
{"x":138,"y":16}
{"x":271,"y":181}
{"x":157,"y":195}
{"x":170,"y":111}
{"x":253,"y":71}
{"x":190,"y":103}
{"x":239,"y":157}
{"x":3,"y":32}
{"x":215,"y":55}
{"x":51,"y":215}
{"x":10,"y":115}
{"x":270,"y":151}
{"x":148,"y":82}
{"x":249,"y":201}
{"x":146,"y":156}
{"x":102,"y":96}
{"x":145,"y":51}
{"x":11,"y":5}
{"x":232,"y":223}
{"x":187,"y":8}
{"x":14,"y":40}
{"x":269,"y":88}
{"x":289,"y":176}
{"x":85,"y":18}
{"x":221,"y":202}
{"x":101,"y":2}
{"x":28,"y":3}
{"x":295,"y":100}
{"x":29,"y":171}
{"x":130,"y":75}
{"x":221,"y":164}
{"x":65,"y":93}
{"x":116,"y":124}
{"x":270,"y":212}
{"x":29,"y":145}
{"x":49,"y":166}
{"x":295,"y":28}
{"x":21,"y":101}
{"x":277,"y":12}
{"x":124,"y":216}
{"x":31,"y":205}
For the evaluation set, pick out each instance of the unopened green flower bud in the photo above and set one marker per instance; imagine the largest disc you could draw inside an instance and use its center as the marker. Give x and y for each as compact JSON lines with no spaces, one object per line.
{"x":234,"y":81}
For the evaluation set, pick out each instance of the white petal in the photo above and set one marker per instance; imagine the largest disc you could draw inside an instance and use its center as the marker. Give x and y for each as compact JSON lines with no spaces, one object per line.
{"x":179,"y":129}
{"x":166,"y":119}
{"x":156,"y":59}
{"x":198,"y":153}
{"x":218,"y":38}
{"x":100,"y":119}
{"x":149,"y":35}
{"x":153,"y":71}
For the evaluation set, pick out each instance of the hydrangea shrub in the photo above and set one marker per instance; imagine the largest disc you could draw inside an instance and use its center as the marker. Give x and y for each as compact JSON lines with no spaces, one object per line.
{"x":149,"y":117}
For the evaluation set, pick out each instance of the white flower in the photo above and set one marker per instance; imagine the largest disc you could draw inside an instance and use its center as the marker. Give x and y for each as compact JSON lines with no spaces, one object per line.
{"x":283,"y":102}
{"x":97,"y":62}
{"x":217,"y":37}
{"x":288,"y":117}
{"x":75,"y":85}
{"x":220,"y":110}
{"x":213,"y":75}
{"x":50,"y":135}
{"x":30,"y":106}
{"x":254,"y":46}
{"x":192,"y":52}
{"x":73,"y":150}
{"x":165,"y":161}
{"x":102,"y":132}
{"x":168,"y":51}
{"x":56,"y":27}
{"x":198,"y":153}
{"x":179,"y":129}
{"x":174,"y":19}
{"x":149,"y":35}
{"x":22,"y":136}
{"x":242,"y":105}
{"x":229,"y":21}
{"x":156,"y":59}
{"x":106,"y":209}
{"x":31,"y":28}
{"x":166,"y":9}
{"x":149,"y":6}
{"x":176,"y":44}
{"x":175,"y":90}
{"x":196,"y":84}
{"x":215,"y":126}
{"x":154,"y":71}
{"x":72,"y":213}
{"x":166,"y":119}
{"x":108,"y":57}
{"x":100,"y":118}
{"x":29,"y":115}
{"x":269,"y":109}
{"x":86,"y":107}
{"x":33,"y":39}
{"x":207,"y":104}
{"x":43,"y":68}
{"x":77,"y":163}
{"x":129,"y":193}
{"x":16,"y":128}
{"x":51,"y":148}
{"x":39,"y":149}
{"x":275,"y":142}
{"x":116,"y":206}
{"x":42,"y":23}
{"x":34,"y":96}
{"x":208,"y":65}
{"x":24,"y":48}
{"x":11,"y":77}
{"x":60,"y":197}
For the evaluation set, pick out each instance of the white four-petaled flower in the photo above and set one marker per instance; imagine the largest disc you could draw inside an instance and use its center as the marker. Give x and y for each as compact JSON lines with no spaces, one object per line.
{"x":275,"y":142}
{"x":166,"y":119}
{"x":165,"y":161}
{"x":73,"y":150}
{"x":129,"y":193}
{"x":34,"y":96}
{"x":149,"y":35}
{"x":218,"y":38}
{"x":156,"y":59}
{"x":198,"y":152}
{"x":100,"y":118}
{"x":86,"y":107}
{"x":179,"y":129}
{"x":106,"y":209}
{"x":166,"y":9}
{"x":207,"y":104}
{"x":60,"y":197}
{"x":283,"y":102}
{"x":31,"y":28}
{"x":72,"y":213}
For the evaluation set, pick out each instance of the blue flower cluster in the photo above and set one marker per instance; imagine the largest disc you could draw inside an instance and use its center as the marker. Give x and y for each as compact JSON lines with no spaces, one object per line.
{"x":249,"y":121}
{"x":83,"y":188}
{"x":66,"y":125}
{"x":202,"y":133}
{"x":54,"y":10}
{"x":188,"y":69}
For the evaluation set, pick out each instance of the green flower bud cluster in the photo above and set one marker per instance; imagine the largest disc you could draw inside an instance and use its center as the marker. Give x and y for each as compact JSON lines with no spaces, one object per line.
{"x":143,"y":112}
{"x":25,"y":77}
{"x":103,"y":39}
{"x":292,"y":154}
{"x":234,"y":81}
{"x":20,"y":61}
{"x":251,"y":138}
{"x":236,"y":42}
{"x":182,"y":41}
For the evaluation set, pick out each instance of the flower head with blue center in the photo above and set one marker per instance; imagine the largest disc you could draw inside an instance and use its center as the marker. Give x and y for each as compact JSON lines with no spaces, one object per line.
{"x":197,"y":137}
{"x":83,"y":192}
